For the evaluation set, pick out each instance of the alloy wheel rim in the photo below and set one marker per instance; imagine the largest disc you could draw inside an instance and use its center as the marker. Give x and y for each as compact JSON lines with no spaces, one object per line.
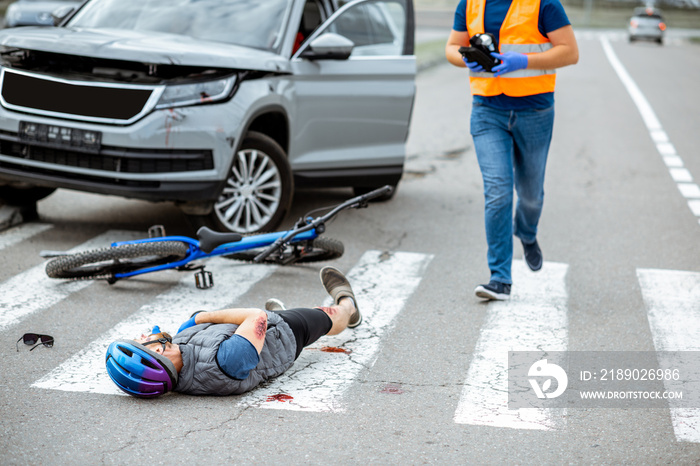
{"x":252,"y":193}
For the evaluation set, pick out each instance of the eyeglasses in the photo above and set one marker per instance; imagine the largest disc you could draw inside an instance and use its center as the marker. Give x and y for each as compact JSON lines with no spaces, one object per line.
{"x":32,"y":338}
{"x":166,"y":338}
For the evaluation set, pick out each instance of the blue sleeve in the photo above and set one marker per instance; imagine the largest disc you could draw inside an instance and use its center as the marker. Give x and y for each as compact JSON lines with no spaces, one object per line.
{"x":460,"y":21}
{"x":552,"y":16}
{"x":237,"y":357}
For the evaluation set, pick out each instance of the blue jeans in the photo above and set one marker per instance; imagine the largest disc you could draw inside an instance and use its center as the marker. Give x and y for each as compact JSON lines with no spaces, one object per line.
{"x":512,"y":147}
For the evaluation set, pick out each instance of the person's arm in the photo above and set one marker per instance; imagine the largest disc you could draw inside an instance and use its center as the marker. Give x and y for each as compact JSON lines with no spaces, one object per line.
{"x":564,"y":51}
{"x":456,"y":40}
{"x":252,"y":323}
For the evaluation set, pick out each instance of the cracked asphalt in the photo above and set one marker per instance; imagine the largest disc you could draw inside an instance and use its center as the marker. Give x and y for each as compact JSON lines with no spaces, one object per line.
{"x":611,"y":208}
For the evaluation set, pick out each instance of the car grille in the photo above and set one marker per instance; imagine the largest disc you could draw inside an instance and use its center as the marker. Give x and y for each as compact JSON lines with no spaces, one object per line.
{"x":87,"y":101}
{"x":110,"y":158}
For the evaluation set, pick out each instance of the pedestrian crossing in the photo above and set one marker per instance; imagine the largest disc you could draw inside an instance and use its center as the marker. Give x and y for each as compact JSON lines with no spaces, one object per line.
{"x":382,"y":283}
{"x":31,"y":291}
{"x":535,"y":318}
{"x":22,"y":233}
{"x":672,"y":299}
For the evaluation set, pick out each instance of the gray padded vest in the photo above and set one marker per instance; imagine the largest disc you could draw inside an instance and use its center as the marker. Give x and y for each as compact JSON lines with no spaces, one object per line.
{"x":201,"y":374}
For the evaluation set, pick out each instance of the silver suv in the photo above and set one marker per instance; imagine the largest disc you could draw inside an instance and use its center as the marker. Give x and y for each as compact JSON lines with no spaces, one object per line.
{"x":221,"y":106}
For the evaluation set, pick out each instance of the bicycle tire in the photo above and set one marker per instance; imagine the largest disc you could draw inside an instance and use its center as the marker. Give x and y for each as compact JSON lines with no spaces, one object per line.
{"x":323,"y":249}
{"x":104,"y":263}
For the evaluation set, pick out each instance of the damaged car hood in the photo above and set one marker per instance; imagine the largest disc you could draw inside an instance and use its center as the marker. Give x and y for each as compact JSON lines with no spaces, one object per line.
{"x":151,"y":47}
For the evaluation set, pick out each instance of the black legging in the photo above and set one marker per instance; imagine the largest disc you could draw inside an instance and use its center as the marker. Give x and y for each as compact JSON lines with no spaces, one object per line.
{"x":308,"y":325}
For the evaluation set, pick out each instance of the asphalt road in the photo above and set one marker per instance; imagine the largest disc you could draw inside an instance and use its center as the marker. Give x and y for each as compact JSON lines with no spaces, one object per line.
{"x":615,"y":218}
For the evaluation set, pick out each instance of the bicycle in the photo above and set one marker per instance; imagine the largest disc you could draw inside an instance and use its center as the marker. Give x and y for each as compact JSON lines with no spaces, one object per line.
{"x":125,"y":259}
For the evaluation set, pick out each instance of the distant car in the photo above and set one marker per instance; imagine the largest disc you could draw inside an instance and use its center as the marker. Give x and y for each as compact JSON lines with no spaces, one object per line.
{"x":647,"y":24}
{"x":34,"y":12}
{"x":223,"y":107}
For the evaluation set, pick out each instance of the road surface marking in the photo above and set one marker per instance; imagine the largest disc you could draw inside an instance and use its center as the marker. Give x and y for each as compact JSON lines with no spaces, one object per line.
{"x":21,"y":233}
{"x":85,"y":372}
{"x":663,"y":145}
{"x":382,"y":283}
{"x":534,"y":319}
{"x":32,"y":290}
{"x":672,"y":299}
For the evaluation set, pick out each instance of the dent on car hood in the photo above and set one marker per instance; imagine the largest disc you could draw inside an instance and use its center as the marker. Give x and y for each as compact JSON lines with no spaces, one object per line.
{"x":152,"y":47}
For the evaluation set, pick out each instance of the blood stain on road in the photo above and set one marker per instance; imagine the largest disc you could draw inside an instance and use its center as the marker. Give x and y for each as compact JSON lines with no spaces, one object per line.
{"x":335,"y":349}
{"x":392,"y":389}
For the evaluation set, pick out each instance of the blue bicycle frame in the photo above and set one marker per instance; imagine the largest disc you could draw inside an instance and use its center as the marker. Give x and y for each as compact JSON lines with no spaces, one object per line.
{"x":194,"y":252}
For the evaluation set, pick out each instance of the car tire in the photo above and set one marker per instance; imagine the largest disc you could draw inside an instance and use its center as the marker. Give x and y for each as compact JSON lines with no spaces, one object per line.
{"x":258,"y":191}
{"x":18,"y":196}
{"x":360,"y":190}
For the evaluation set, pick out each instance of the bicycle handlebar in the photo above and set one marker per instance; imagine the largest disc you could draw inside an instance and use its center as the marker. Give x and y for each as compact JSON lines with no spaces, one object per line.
{"x":355,"y":202}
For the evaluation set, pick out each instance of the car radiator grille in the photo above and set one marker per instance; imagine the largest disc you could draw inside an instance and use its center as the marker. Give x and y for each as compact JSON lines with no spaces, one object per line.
{"x":98,"y":102}
{"x":110,"y":158}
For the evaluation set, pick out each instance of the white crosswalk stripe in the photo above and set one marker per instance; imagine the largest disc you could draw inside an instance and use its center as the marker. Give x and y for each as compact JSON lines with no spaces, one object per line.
{"x":534,"y":318}
{"x":21,"y":233}
{"x":32,"y":290}
{"x":382,"y":283}
{"x":672,"y":299}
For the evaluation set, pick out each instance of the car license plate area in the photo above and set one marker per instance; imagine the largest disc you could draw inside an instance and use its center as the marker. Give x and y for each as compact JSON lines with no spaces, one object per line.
{"x":60,"y":136}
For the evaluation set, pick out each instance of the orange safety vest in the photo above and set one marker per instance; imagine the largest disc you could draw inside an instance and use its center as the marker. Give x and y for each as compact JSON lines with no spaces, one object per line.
{"x":518,"y":33}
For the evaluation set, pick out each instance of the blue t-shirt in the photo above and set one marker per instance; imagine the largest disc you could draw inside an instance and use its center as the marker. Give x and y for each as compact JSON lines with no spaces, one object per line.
{"x":552,"y":17}
{"x":237,"y":357}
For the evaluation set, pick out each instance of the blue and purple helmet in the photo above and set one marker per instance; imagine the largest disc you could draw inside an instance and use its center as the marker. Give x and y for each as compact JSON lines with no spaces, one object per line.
{"x":139,"y":371}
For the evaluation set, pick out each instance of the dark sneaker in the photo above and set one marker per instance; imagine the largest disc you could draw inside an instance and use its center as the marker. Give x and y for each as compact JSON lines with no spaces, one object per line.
{"x":338,"y":287}
{"x":533,"y":255}
{"x":494,"y":290}
{"x":274,"y":304}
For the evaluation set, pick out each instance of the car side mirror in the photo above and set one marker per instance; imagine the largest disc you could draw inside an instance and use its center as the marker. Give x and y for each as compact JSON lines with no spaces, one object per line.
{"x":61,"y":13}
{"x":329,"y":46}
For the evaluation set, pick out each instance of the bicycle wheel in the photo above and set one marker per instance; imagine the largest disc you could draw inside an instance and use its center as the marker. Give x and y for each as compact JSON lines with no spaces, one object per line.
{"x":323,"y":249}
{"x":104,"y":263}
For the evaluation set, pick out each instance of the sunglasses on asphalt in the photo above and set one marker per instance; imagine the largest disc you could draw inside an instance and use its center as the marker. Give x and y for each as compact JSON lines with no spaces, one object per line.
{"x":32,"y":338}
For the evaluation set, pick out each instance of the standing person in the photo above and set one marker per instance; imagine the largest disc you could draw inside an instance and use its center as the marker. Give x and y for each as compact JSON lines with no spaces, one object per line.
{"x":231,"y":351}
{"x":512,"y":118}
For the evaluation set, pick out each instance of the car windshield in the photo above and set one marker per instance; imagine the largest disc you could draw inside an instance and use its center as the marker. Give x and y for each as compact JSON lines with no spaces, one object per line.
{"x":251,"y":23}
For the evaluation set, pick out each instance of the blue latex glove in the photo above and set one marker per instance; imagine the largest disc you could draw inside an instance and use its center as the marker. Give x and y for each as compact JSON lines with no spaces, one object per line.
{"x":510,"y":61}
{"x":473,"y":66}
{"x":190,"y":323}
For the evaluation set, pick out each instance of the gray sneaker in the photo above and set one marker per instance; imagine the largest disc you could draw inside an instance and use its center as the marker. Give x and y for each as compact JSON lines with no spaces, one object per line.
{"x":274,"y":304}
{"x":338,"y":287}
{"x":494,"y":290}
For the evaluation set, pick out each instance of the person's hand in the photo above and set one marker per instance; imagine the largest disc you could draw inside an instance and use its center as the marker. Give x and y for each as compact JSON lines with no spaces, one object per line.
{"x":510,"y":61}
{"x":190,"y":323}
{"x":473,"y":66}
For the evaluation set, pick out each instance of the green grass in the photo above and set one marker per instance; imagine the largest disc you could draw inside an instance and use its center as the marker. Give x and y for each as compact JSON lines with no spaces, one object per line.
{"x":430,"y":53}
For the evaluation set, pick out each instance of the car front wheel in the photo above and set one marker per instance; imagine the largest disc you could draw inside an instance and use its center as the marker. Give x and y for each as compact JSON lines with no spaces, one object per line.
{"x":258,"y":191}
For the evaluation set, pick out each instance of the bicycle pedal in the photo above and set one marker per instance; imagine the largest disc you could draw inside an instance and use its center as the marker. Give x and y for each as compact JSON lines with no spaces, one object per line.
{"x":156,"y":231}
{"x":204,"y":279}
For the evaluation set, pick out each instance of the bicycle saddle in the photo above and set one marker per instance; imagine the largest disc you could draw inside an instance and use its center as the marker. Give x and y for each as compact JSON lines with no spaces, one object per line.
{"x":210,"y":239}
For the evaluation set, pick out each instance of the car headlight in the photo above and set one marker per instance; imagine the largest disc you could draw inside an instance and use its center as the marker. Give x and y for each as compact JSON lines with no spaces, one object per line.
{"x":13,"y":15}
{"x":180,"y":95}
